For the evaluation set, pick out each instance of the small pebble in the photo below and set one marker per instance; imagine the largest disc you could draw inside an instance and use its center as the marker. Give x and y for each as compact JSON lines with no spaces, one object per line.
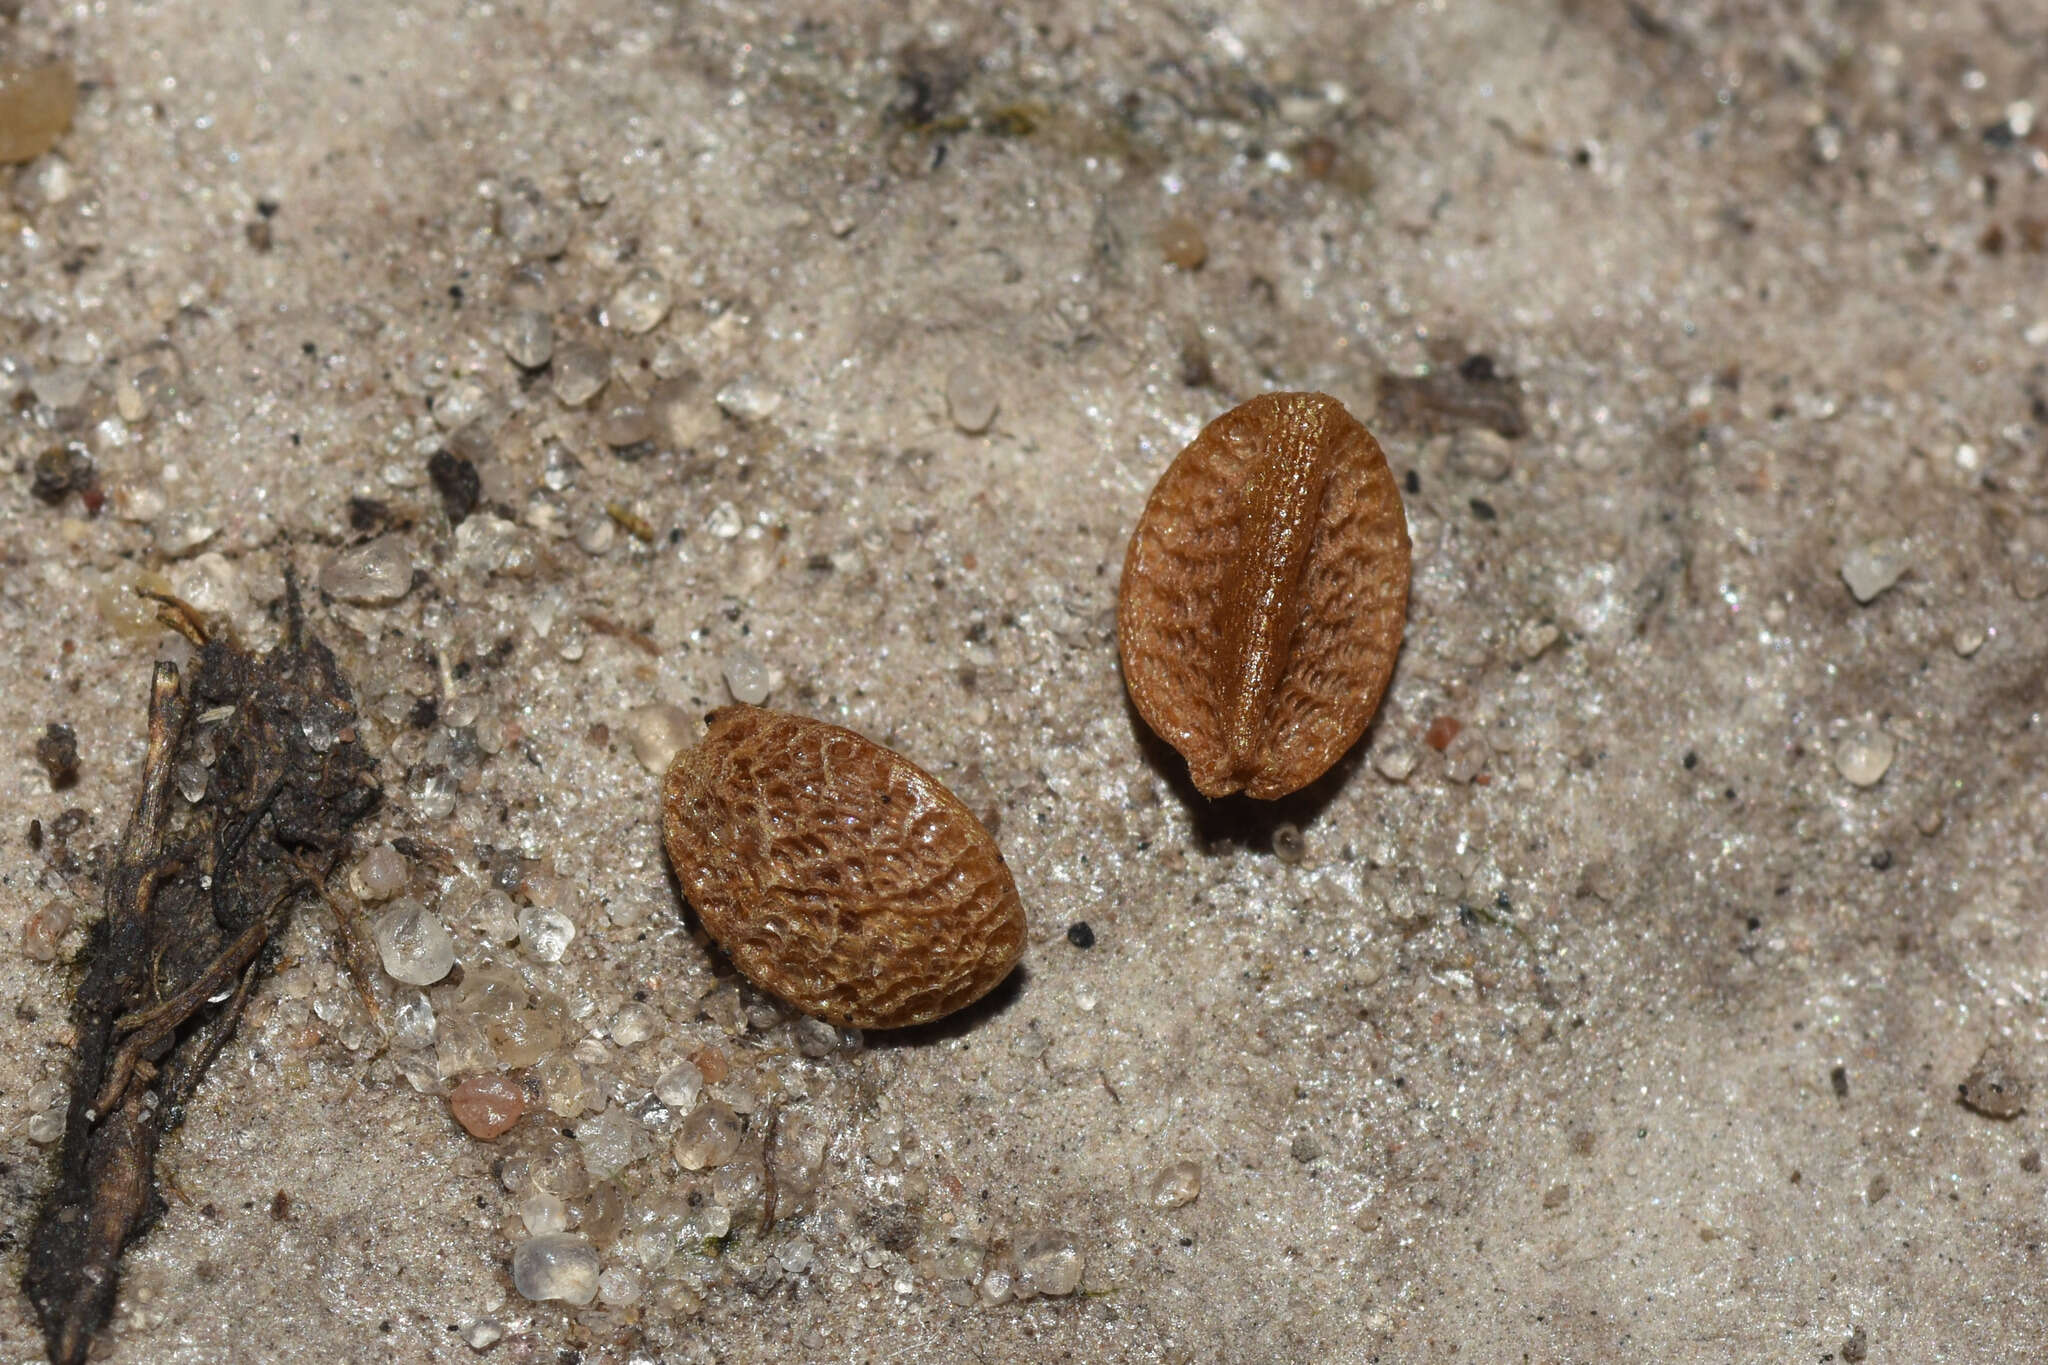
{"x":1180,"y":239}
{"x":580,"y":371}
{"x":678,"y":1086}
{"x":558,"y":1265}
{"x":1481,"y":453}
{"x":414,"y":944}
{"x":593,"y":187}
{"x":1872,"y":568}
{"x":640,"y":303}
{"x":1864,"y":756}
{"x":1176,"y":1185}
{"x":749,"y":398}
{"x":815,"y":1037}
{"x":546,"y":934}
{"x":1288,"y":844}
{"x":683,"y":415}
{"x":529,"y":338}
{"x":657,"y":734}
{"x":1394,"y":761}
{"x":488,"y":1106}
{"x":611,"y":1142}
{"x":724,"y":521}
{"x":1467,"y":757}
{"x":60,"y":386}
{"x":1967,"y":640}
{"x":532,"y":225}
{"x":1048,"y":1264}
{"x":380,"y":874}
{"x":634,"y":1024}
{"x":44,"y":931}
{"x":746,"y":677}
{"x":36,"y":105}
{"x":1534,"y":639}
{"x":621,"y":1286}
{"x":543,"y":1212}
{"x":710,"y":1136}
{"x":374,"y":574}
{"x":460,"y":404}
{"x":970,"y":398}
{"x":483,"y":1334}
{"x":625,"y":422}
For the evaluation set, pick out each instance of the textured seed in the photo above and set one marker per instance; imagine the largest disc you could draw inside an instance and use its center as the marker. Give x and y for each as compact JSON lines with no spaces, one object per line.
{"x":1264,"y":595}
{"x":837,"y":874}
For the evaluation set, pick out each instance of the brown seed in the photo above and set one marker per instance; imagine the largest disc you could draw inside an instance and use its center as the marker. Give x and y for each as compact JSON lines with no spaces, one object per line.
{"x":836,"y":874}
{"x":1264,"y":595}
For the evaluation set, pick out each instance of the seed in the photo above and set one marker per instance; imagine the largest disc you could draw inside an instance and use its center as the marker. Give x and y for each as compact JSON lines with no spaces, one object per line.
{"x":1264,"y":595}
{"x":837,"y":874}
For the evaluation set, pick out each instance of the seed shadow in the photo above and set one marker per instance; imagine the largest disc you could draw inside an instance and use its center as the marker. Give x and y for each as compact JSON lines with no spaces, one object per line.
{"x":961,"y":1021}
{"x":1241,"y":822}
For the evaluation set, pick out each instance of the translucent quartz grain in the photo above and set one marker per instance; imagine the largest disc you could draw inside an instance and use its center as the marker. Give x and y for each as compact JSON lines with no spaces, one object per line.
{"x":746,"y":677}
{"x":1864,"y":756}
{"x":380,"y":874}
{"x":414,"y":944}
{"x":640,"y":303}
{"x":634,"y":1024}
{"x":1178,"y":1183}
{"x":970,"y":398}
{"x":580,"y":371}
{"x":545,"y":934}
{"x":556,"y":1265}
{"x":374,"y":574}
{"x":657,"y":734}
{"x":709,"y":1137}
{"x":529,"y":338}
{"x":1048,"y":1264}
{"x":678,"y":1086}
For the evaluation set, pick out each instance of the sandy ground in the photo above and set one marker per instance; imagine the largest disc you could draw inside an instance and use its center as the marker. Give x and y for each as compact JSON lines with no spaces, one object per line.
{"x":1627,"y":1027}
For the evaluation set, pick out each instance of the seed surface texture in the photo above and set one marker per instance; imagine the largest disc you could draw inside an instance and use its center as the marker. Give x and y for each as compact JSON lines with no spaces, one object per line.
{"x":837,"y":874}
{"x":1264,"y":595}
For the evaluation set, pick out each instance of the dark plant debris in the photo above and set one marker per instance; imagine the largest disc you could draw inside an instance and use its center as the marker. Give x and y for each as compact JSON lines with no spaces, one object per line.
{"x":1993,"y":1088}
{"x":195,"y":897}
{"x":63,"y":470}
{"x":456,"y":479}
{"x":57,"y":751}
{"x":1474,"y":394}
